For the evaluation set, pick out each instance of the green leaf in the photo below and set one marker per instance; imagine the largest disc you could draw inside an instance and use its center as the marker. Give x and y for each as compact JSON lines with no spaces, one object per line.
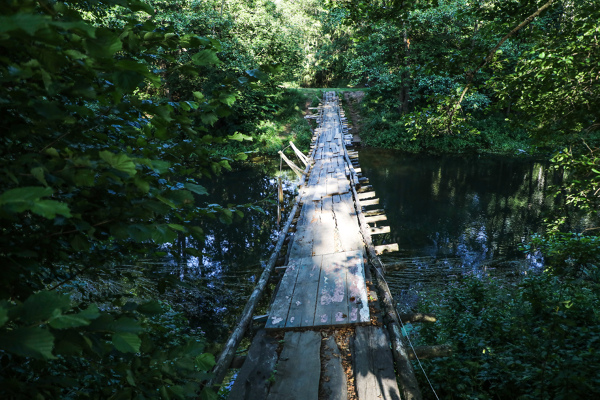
{"x":126,"y":342}
{"x":128,"y":80}
{"x":29,"y":198}
{"x":27,"y":22}
{"x":104,"y":45}
{"x":205,"y":362}
{"x":160,"y":167}
{"x":208,"y":394}
{"x":205,"y":57}
{"x":209,"y":118}
{"x":64,"y":321}
{"x":38,"y":173}
{"x":50,"y":209}
{"x":136,"y":5}
{"x":228,"y":99}
{"x":141,"y":184}
{"x":239,"y":137}
{"x":177,"y":227}
{"x":119,"y":162}
{"x":24,"y":194}
{"x":151,"y":308}
{"x":28,"y":342}
{"x":43,"y":305}
{"x":198,"y":189}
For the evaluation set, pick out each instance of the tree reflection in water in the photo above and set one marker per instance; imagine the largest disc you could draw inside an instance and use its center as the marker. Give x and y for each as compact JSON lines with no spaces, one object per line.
{"x":456,"y":214}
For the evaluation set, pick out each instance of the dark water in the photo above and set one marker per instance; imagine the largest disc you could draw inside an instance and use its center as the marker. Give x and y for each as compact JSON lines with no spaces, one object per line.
{"x":452,"y":215}
{"x":213,"y":288}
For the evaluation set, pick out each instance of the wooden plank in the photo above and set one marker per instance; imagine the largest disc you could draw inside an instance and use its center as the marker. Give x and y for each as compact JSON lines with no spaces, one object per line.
{"x":302,"y":244}
{"x":332,"y":184}
{"x":375,"y":218}
{"x":371,"y":202}
{"x":347,"y":224}
{"x":378,"y":230}
{"x":365,"y":195}
{"x":333,"y":380}
{"x":384,"y":248}
{"x":304,"y":300}
{"x":320,"y":190}
{"x":281,"y":305}
{"x":298,"y":368}
{"x":332,"y":299}
{"x":371,"y":213}
{"x":373,"y":365}
{"x":358,"y":302}
{"x":252,"y":381}
{"x":324,"y":229}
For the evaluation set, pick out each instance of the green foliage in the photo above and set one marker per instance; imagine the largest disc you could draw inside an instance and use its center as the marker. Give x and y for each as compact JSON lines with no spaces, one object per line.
{"x":98,"y":168}
{"x":535,"y":340}
{"x":137,"y":349}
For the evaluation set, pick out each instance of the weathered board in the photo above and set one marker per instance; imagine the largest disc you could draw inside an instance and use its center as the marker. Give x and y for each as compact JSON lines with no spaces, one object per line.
{"x":252,"y":381}
{"x":332,"y":299}
{"x":374,"y":365}
{"x":328,"y":290}
{"x":281,"y":307}
{"x":334,"y":384}
{"x":304,"y":299}
{"x":298,"y":368}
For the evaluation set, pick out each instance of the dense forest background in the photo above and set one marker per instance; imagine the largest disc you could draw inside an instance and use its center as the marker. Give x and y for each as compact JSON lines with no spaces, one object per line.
{"x":112,"y":111}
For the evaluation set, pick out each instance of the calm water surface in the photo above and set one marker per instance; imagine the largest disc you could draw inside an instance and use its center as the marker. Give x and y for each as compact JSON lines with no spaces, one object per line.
{"x":452,"y":215}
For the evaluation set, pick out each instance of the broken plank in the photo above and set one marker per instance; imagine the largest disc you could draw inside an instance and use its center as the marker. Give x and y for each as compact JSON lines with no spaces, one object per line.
{"x":298,"y":368}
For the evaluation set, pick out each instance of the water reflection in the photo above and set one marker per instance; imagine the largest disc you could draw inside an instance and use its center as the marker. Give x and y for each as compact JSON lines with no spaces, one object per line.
{"x":452,"y":214}
{"x":214,"y":286}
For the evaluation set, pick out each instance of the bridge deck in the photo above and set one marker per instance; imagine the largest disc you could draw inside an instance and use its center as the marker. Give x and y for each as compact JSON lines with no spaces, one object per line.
{"x":323,"y":290}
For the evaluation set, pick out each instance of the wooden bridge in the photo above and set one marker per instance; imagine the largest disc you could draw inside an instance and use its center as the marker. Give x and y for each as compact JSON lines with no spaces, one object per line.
{"x":329,"y":333}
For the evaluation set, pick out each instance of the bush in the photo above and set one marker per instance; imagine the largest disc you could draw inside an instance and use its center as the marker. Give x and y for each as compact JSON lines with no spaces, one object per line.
{"x":534,"y":340}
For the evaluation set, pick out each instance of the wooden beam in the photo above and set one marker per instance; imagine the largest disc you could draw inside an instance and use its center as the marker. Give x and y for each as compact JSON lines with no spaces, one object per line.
{"x":418,"y":317}
{"x":376,"y":218}
{"x":384,"y":248}
{"x":371,"y":202}
{"x":371,"y":213}
{"x":426,"y":352}
{"x":378,"y":230}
